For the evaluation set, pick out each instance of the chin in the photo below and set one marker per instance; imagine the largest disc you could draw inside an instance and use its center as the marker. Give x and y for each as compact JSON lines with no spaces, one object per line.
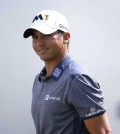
{"x":44,"y":58}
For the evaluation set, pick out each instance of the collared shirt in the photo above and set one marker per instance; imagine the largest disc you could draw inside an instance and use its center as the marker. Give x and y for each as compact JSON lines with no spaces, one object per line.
{"x":63,"y":100}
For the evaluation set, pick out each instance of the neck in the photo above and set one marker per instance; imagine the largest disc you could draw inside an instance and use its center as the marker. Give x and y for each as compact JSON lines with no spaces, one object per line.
{"x":50,"y":65}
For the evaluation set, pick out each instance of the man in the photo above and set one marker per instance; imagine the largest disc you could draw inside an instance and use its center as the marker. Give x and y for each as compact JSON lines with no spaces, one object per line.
{"x":66,"y":99}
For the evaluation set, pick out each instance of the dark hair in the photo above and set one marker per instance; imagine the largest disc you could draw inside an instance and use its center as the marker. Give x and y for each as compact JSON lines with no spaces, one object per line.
{"x":61,"y":32}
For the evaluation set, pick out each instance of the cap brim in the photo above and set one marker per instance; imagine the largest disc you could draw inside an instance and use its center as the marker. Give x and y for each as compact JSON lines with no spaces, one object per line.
{"x":41,"y":28}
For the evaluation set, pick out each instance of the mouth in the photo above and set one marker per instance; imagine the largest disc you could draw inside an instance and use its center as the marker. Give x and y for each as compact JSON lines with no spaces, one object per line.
{"x":43,"y":51}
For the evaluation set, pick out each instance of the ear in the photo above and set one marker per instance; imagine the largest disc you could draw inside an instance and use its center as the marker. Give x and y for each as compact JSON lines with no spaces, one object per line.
{"x":66,"y":38}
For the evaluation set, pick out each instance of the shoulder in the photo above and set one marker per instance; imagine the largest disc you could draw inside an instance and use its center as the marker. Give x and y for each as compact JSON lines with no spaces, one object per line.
{"x":76,"y":68}
{"x":36,"y":80}
{"x":80,"y":75}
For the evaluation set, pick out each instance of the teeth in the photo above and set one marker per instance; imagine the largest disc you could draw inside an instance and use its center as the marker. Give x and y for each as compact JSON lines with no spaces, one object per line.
{"x":42,"y":49}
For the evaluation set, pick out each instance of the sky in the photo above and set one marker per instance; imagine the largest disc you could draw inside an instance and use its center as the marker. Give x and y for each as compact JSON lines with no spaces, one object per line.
{"x":95,"y":43}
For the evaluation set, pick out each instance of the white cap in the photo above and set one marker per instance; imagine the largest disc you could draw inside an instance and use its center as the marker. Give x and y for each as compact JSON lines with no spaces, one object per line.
{"x":47,"y":22}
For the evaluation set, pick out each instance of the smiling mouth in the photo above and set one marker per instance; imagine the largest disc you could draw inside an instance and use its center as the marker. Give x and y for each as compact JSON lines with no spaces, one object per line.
{"x":43,"y":50}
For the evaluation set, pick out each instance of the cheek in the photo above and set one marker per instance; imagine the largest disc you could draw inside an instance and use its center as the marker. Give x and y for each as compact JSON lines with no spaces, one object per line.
{"x":34,"y":45}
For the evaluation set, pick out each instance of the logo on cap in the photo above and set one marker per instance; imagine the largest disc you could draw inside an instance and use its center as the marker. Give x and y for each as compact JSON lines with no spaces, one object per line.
{"x":63,"y":27}
{"x":41,"y":17}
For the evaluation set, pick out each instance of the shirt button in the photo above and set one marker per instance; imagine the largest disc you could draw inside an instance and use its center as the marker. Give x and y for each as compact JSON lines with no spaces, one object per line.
{"x":45,"y":83}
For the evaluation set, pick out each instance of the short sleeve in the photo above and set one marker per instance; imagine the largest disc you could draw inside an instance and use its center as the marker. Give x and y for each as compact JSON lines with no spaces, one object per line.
{"x":86,"y":96}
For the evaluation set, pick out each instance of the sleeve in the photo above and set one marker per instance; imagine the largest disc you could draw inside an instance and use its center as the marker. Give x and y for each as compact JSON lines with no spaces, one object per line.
{"x":86,"y":97}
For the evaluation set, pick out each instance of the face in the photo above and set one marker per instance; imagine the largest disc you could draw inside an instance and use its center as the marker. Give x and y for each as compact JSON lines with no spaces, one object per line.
{"x":49,"y":47}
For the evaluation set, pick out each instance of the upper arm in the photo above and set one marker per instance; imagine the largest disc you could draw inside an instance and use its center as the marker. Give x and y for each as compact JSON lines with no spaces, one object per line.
{"x":87,"y":98}
{"x":98,"y":125}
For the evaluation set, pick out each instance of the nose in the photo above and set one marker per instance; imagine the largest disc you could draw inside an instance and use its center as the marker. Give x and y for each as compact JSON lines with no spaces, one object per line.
{"x":40,"y":42}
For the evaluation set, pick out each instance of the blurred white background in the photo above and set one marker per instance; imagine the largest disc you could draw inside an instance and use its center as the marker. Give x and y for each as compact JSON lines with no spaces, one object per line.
{"x":95,"y":43}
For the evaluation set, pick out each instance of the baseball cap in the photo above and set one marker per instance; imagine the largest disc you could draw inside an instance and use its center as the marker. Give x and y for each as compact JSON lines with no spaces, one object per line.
{"x":47,"y":22}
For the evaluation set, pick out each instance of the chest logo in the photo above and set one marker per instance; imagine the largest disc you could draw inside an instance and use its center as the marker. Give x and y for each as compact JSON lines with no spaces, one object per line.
{"x":48,"y":97}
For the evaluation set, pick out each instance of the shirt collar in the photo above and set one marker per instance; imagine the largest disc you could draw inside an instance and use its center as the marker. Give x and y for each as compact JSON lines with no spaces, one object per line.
{"x":58,"y":70}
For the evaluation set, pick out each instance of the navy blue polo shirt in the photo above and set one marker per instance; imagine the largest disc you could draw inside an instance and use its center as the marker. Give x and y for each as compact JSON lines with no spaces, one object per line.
{"x":63,"y":100}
